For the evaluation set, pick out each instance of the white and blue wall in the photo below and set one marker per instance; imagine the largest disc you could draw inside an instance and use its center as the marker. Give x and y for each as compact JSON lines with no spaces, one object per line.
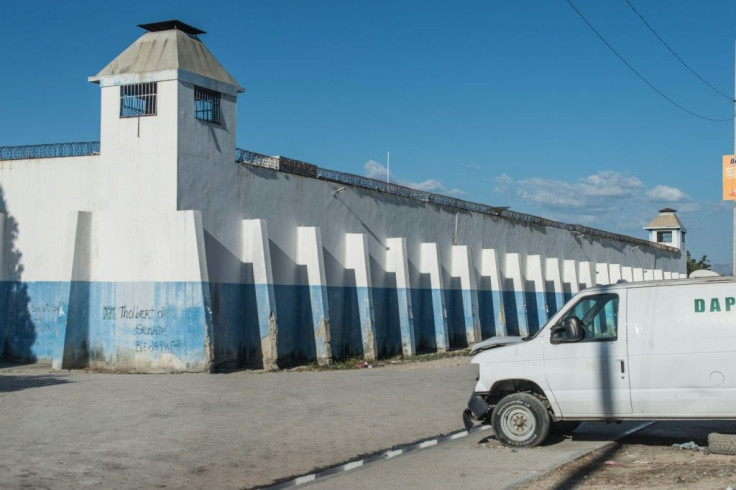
{"x":163,"y":254}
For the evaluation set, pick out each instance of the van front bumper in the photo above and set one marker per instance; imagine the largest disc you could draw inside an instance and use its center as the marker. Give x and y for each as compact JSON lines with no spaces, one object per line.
{"x":478,"y":408}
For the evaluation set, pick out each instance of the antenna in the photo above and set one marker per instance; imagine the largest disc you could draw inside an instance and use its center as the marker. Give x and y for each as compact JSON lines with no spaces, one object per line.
{"x":388,"y":167}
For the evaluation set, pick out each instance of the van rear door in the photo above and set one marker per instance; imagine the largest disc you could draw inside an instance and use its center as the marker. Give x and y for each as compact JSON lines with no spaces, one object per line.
{"x":682,"y":350}
{"x":589,"y":378}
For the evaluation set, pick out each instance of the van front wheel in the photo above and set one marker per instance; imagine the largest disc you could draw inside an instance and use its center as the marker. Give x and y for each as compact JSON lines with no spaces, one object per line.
{"x":520,"y":420}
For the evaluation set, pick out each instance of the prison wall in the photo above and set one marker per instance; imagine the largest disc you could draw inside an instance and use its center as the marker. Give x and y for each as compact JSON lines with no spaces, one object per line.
{"x":99,"y":268}
{"x":308,"y":268}
{"x":262,"y":265}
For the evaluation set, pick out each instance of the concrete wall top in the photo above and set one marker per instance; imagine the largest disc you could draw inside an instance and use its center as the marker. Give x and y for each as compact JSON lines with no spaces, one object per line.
{"x":287,"y":201}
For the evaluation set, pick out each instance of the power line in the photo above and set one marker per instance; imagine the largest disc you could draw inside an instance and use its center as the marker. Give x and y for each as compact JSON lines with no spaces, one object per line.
{"x":623,"y":60}
{"x":675,"y":54}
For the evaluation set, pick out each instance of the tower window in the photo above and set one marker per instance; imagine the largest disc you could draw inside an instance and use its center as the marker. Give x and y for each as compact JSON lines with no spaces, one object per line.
{"x":138,"y":100}
{"x":664,"y":237}
{"x":207,"y":105}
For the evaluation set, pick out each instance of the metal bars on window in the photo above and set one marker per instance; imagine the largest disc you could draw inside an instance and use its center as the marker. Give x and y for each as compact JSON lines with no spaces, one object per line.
{"x":207,"y":105}
{"x":138,"y":100}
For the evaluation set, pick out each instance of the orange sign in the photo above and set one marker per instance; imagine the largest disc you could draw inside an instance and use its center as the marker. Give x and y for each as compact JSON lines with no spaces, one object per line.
{"x":729,"y":177}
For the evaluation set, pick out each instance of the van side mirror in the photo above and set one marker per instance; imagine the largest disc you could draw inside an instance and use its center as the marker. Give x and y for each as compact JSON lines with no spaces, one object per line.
{"x":574,"y":329}
{"x":570,"y":331}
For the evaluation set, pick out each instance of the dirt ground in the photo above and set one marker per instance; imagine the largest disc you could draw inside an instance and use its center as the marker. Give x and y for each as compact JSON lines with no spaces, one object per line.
{"x":649,"y":459}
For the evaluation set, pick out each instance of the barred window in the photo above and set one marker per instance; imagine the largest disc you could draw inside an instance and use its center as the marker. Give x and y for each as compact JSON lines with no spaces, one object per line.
{"x":207,"y":105}
{"x":138,"y":100}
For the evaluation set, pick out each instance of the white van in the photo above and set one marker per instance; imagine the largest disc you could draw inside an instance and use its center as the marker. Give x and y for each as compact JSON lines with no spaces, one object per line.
{"x":631,"y":351}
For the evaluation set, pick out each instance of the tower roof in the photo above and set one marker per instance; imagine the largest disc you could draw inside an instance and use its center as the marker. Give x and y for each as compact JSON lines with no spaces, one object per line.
{"x":170,"y":45}
{"x":667,"y":218}
{"x":171,"y":24}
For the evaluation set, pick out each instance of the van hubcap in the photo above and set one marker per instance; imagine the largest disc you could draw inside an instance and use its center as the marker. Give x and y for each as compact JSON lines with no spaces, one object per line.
{"x":518,"y":424}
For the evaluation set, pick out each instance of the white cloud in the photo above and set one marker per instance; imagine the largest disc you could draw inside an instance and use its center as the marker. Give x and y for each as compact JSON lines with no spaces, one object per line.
{"x":666,"y":193}
{"x":503,"y":184}
{"x":552,"y":193}
{"x":609,"y":183}
{"x":375,"y":170}
{"x":608,"y":199}
{"x":592,"y":193}
{"x":504,"y":179}
{"x":430,"y":185}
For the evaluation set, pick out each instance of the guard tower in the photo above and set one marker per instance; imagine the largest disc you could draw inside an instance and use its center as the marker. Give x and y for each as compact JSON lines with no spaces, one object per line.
{"x":667,"y":229}
{"x":166,"y":105}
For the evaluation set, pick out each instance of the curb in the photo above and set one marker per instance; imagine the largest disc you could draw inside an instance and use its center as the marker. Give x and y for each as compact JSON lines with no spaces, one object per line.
{"x":293,"y":482}
{"x":371,"y":458}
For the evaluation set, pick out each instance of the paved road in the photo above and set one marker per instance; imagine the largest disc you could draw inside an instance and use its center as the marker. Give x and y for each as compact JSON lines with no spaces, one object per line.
{"x":222,"y":431}
{"x":475,"y":462}
{"x":246,"y":430}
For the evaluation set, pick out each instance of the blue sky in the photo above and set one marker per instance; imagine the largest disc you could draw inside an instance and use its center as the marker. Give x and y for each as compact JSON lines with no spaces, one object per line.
{"x":509,"y":103}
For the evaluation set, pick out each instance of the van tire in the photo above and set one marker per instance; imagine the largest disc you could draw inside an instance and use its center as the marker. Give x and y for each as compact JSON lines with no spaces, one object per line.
{"x":722,"y":443}
{"x":520,"y":420}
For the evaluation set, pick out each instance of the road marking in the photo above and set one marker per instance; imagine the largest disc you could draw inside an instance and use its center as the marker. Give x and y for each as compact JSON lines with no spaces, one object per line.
{"x":379,"y":455}
{"x":305,"y":479}
{"x":398,"y":451}
{"x":352,"y":465}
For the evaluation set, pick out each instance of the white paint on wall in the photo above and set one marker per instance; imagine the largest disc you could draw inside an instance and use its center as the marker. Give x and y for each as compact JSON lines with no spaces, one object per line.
{"x":614,"y":271}
{"x":586,"y":277}
{"x":533,"y":274}
{"x":429,"y":263}
{"x":627,"y":274}
{"x":601,"y":274}
{"x":570,"y":275}
{"x":552,"y":275}
{"x":398,"y":264}
{"x":357,"y":260}
{"x":490,"y":268}
{"x":254,"y":236}
{"x":462,"y":267}
{"x":309,"y":254}
{"x":512,"y":272}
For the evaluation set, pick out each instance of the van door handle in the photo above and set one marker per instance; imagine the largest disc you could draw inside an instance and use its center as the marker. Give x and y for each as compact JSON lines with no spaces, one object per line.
{"x":622,"y":366}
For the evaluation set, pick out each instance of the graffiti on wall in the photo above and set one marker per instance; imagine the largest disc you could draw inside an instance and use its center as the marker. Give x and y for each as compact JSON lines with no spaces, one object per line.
{"x":147,"y":325}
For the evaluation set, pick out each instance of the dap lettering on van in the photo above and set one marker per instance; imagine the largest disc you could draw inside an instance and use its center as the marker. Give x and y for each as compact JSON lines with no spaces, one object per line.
{"x":715,"y":304}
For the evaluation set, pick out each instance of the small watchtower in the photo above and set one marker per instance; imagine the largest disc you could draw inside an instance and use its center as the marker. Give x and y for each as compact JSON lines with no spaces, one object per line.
{"x":667,"y":229}
{"x":167,"y":107}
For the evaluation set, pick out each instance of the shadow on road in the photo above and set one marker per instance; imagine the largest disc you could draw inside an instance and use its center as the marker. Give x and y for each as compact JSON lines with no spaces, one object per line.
{"x":11,"y":382}
{"x":678,"y":432}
